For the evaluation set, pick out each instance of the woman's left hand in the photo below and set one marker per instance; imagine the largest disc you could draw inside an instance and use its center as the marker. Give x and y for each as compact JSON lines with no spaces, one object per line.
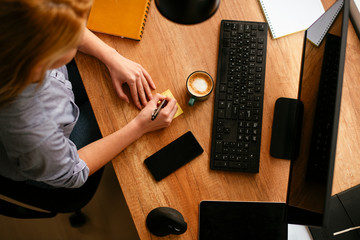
{"x":123,"y":70}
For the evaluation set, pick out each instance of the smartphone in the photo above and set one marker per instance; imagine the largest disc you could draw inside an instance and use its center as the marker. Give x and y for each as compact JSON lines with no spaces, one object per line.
{"x":173,"y":156}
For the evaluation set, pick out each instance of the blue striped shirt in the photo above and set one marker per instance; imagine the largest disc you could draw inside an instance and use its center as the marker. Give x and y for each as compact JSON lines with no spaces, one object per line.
{"x":34,"y":134}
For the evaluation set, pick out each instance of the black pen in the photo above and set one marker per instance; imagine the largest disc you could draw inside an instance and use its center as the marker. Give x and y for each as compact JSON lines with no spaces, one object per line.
{"x":157,"y":110}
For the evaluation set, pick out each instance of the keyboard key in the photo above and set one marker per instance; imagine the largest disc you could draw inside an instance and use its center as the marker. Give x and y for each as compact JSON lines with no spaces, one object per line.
{"x":218,"y":146}
{"x":221,"y":164}
{"x":227,"y":26}
{"x":221,"y":113}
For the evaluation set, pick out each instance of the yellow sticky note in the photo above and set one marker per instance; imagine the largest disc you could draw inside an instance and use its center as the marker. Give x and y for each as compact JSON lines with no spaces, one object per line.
{"x":169,"y":94}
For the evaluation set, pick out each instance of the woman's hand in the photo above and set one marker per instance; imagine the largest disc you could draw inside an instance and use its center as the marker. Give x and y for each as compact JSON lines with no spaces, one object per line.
{"x":163,"y":119}
{"x":123,"y":70}
{"x":100,"y":152}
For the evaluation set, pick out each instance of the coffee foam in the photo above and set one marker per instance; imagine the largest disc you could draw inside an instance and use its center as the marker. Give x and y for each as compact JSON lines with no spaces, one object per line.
{"x":199,"y":84}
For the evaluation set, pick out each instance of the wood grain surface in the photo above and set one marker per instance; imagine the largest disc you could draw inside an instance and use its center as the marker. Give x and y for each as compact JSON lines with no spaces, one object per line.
{"x":170,"y":52}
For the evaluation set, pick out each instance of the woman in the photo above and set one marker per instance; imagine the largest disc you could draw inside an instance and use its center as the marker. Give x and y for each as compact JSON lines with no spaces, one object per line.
{"x":37,"y":109}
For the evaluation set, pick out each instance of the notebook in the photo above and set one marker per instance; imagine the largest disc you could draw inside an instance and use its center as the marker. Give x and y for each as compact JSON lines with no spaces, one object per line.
{"x":318,"y":30}
{"x":290,"y":16}
{"x":123,"y":18}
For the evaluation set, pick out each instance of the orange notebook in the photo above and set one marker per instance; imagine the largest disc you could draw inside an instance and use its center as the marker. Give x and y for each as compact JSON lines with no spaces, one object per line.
{"x":123,"y":18}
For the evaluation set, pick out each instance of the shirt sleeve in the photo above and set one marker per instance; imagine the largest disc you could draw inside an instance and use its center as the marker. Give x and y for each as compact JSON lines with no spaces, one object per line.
{"x":39,"y":150}
{"x":55,"y":162}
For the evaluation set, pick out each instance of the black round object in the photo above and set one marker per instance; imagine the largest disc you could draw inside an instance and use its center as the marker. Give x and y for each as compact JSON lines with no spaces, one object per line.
{"x":187,"y":11}
{"x":163,"y":221}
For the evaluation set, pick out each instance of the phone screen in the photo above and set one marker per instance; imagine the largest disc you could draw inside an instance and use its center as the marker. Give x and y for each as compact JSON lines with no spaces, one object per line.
{"x":173,"y":156}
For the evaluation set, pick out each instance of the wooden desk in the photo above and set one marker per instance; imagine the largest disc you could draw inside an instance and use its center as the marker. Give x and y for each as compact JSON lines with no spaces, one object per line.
{"x":170,"y":52}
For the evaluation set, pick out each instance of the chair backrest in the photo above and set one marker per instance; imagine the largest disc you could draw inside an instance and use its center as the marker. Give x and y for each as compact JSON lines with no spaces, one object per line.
{"x":46,"y":201}
{"x":14,"y":210}
{"x":13,"y":204}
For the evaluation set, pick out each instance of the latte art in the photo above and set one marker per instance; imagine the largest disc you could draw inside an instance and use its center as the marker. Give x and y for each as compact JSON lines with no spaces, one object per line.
{"x":199,"y":84}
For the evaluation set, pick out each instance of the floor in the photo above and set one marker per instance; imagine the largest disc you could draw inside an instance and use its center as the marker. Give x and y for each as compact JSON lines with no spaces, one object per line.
{"x":108,"y":218}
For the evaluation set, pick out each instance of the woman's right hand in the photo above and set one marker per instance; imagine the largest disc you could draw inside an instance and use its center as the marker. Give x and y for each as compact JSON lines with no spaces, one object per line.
{"x":164,"y":117}
{"x":100,"y":152}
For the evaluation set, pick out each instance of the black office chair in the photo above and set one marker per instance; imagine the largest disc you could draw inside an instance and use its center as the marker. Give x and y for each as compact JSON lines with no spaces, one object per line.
{"x":52,"y":200}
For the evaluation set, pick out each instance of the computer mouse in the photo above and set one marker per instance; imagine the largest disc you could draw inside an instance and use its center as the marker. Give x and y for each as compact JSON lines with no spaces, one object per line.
{"x":163,"y":221}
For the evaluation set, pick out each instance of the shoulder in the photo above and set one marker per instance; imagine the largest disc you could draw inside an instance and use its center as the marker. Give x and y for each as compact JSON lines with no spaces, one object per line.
{"x":25,"y":121}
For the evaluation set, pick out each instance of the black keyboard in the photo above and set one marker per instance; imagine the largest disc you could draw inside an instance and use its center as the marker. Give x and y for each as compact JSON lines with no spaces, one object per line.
{"x":239,"y":93}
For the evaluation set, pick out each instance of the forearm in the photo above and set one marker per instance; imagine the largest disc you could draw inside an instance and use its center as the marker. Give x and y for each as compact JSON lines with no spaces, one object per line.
{"x":94,"y":46}
{"x":100,"y":152}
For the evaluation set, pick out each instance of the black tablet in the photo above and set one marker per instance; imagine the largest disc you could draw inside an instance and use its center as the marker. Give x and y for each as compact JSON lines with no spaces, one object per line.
{"x":228,"y":220}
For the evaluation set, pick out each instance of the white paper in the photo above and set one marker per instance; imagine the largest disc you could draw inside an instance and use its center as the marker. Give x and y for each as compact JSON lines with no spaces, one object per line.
{"x":298,"y":232}
{"x":289,"y":16}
